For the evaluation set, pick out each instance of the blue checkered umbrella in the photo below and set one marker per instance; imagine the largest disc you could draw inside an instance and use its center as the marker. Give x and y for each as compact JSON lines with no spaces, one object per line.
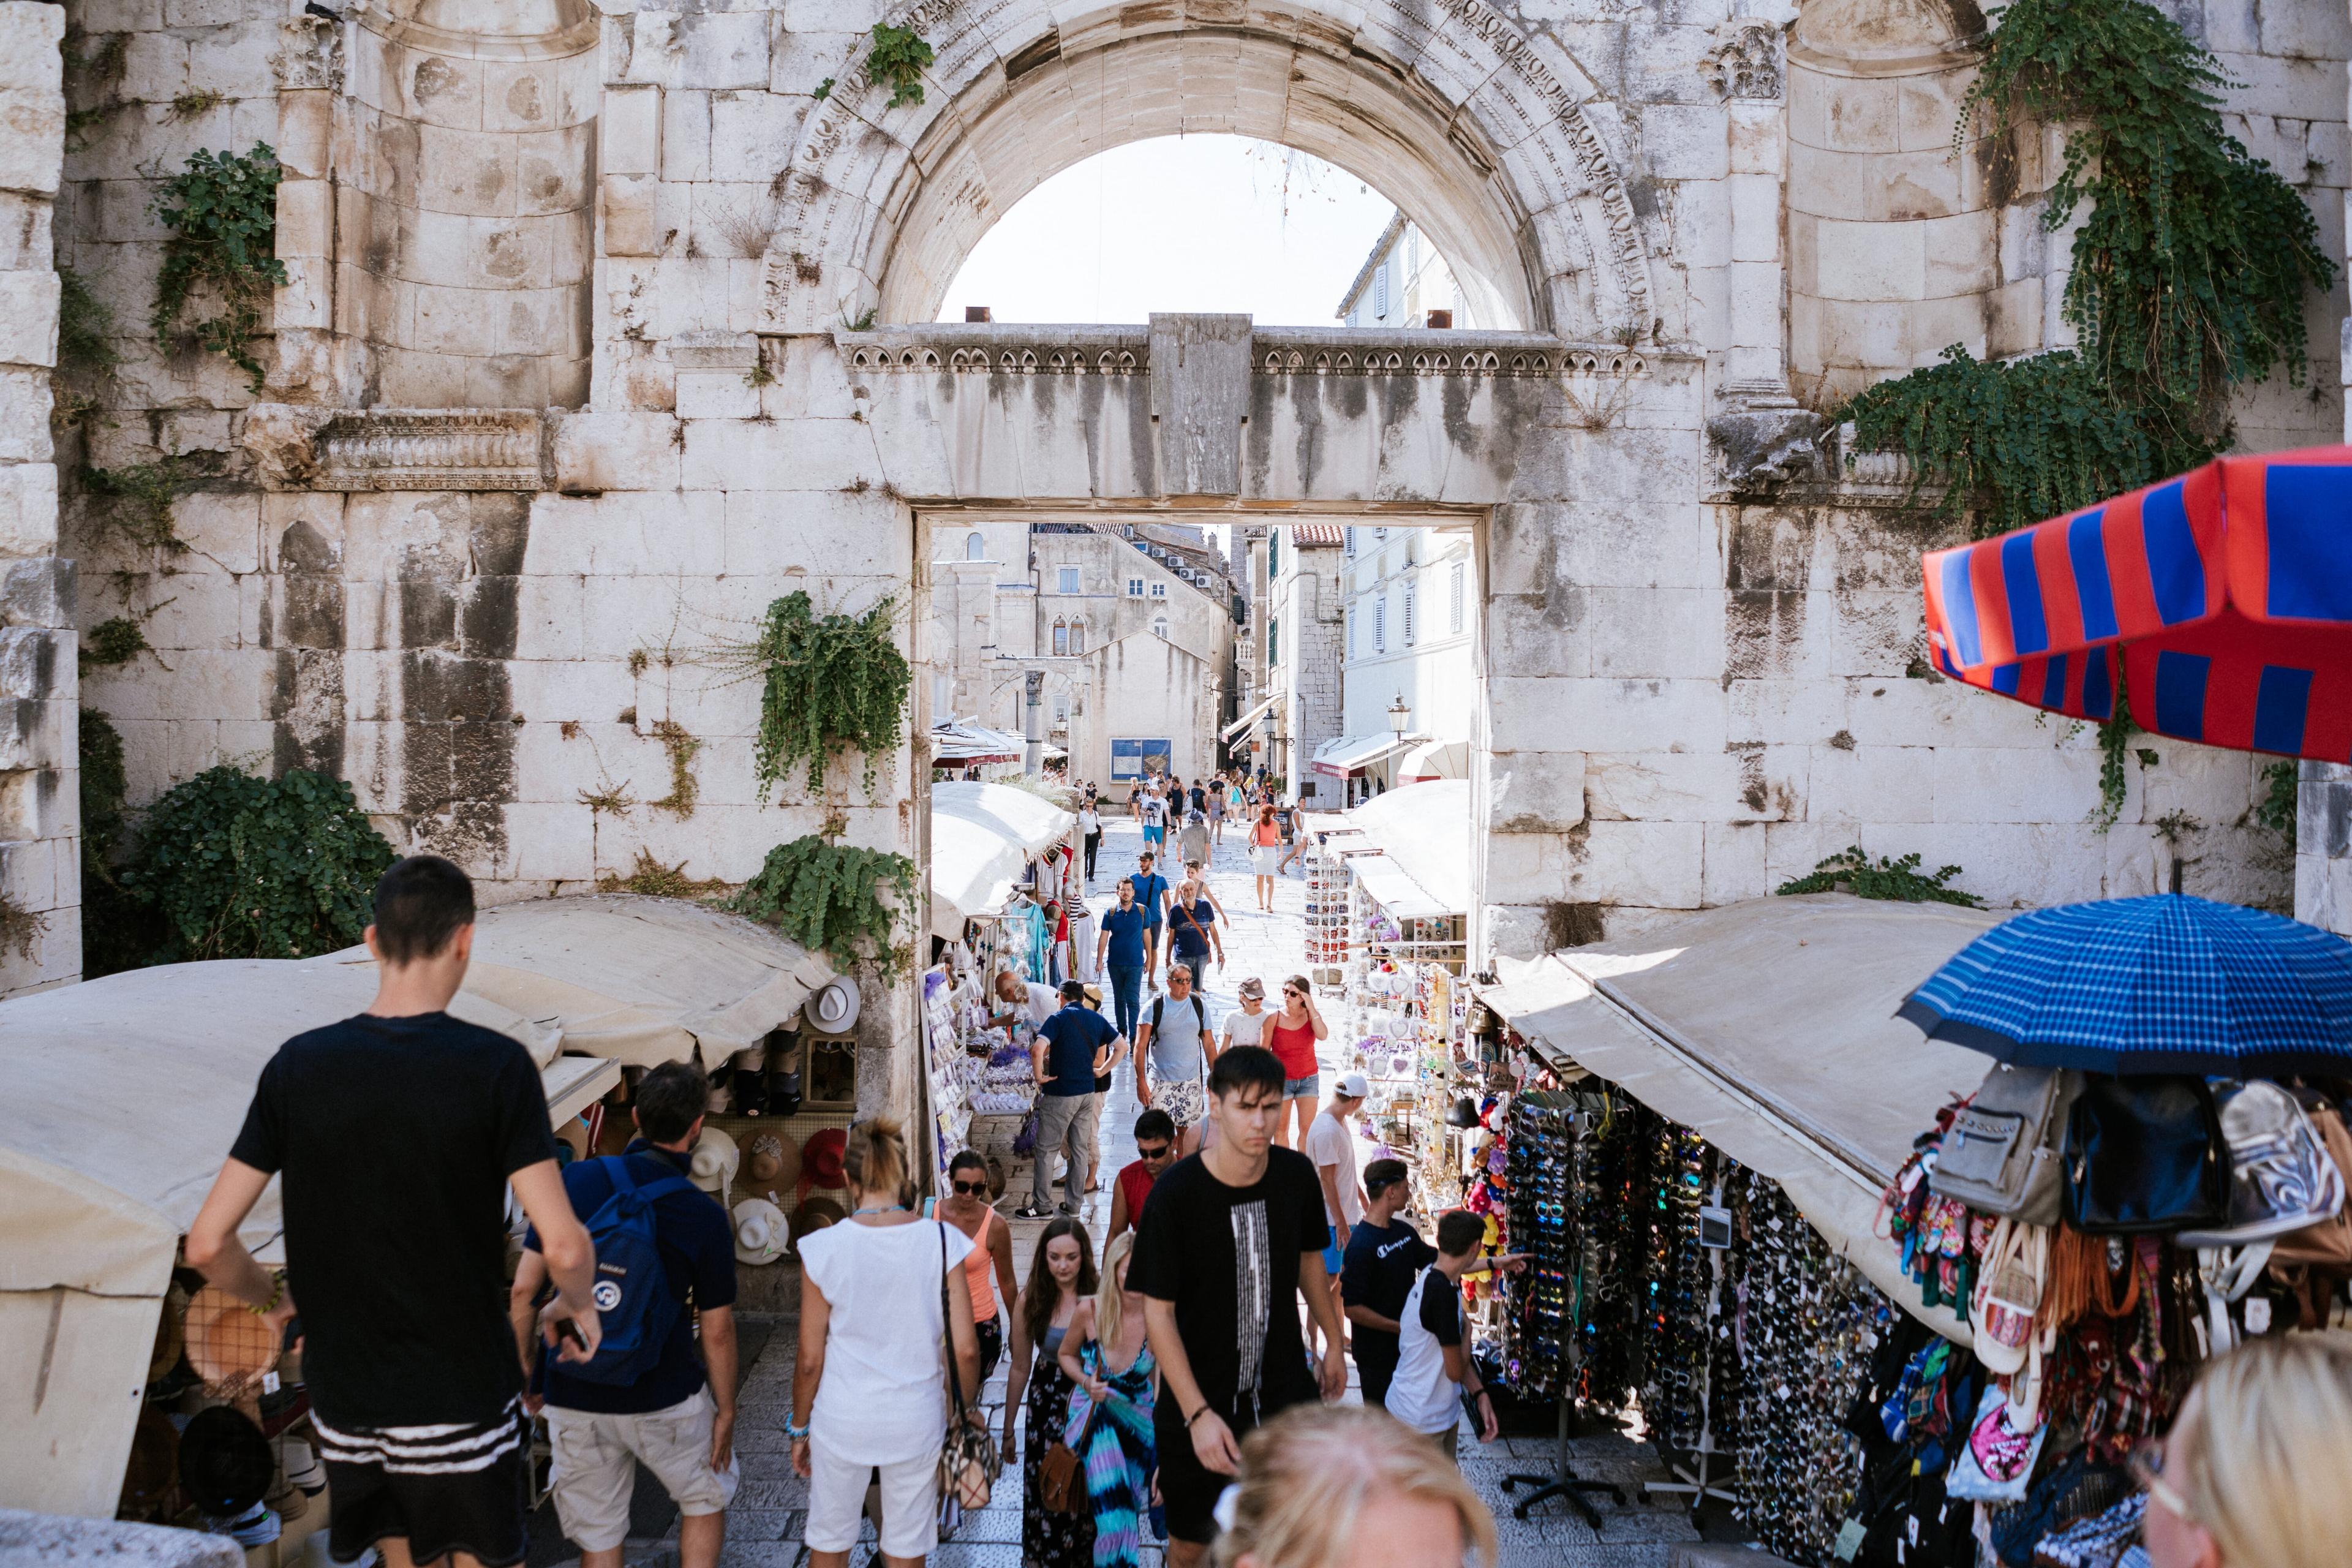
{"x":2164,"y":984}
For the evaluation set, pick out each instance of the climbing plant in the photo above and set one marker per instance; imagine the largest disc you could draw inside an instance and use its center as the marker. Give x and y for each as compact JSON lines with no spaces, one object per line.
{"x":898,"y":59}
{"x":830,"y":684}
{"x":221,"y":211}
{"x":115,"y":640}
{"x":829,"y":897}
{"x":1852,"y":871}
{"x":240,"y":866}
{"x":118,"y":931}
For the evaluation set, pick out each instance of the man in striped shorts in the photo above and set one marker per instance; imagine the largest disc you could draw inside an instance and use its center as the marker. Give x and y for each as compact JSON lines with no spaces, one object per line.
{"x":397,"y":1133}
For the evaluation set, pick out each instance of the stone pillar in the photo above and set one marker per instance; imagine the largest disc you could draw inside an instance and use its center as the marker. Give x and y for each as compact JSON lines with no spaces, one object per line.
{"x":2322,"y":847}
{"x":310,"y":70}
{"x":40,"y":786}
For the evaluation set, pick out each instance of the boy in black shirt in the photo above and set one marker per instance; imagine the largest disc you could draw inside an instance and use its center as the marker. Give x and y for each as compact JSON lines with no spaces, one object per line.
{"x":1385,"y":1255}
{"x":1230,"y":1239}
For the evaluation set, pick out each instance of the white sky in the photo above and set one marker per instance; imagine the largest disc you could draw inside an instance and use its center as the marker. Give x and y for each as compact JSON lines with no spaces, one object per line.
{"x":1193,"y":223}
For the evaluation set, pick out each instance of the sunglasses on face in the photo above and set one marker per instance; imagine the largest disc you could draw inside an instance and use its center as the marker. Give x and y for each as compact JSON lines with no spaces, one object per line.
{"x":970,"y":1189}
{"x":1158,"y":1152}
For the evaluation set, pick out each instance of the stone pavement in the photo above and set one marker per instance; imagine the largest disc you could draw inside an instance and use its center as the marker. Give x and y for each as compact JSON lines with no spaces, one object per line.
{"x":765,"y":1525}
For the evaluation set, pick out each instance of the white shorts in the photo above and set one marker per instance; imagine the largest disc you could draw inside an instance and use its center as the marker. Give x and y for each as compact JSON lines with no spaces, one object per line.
{"x":910,"y":1504}
{"x":596,"y":1467}
{"x":1266,"y":859}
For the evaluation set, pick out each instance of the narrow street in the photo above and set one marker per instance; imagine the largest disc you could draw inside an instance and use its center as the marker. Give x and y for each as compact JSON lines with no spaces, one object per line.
{"x":764,"y":1526}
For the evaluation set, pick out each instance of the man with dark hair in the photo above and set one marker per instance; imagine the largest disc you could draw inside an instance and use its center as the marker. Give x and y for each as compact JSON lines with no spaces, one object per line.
{"x":1155,"y":1146}
{"x":396,"y":1135}
{"x":1384,"y":1256}
{"x":676,"y":1420}
{"x":1151,"y":897}
{"x":1072,"y":1046}
{"x":1434,"y":1373}
{"x":1230,"y":1239}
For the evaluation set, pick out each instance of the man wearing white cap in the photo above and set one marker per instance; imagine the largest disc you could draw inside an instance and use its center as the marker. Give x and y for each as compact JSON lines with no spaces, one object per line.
{"x":659,"y":1406}
{"x":1331,"y":1144}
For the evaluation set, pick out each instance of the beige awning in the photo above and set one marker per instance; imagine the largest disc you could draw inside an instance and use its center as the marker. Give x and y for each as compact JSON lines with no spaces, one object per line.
{"x":1768,"y":1028}
{"x":1250,"y":718}
{"x":642,"y":981}
{"x":1426,"y":829}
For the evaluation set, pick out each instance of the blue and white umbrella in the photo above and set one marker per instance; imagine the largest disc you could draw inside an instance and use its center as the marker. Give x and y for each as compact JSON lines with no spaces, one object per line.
{"x":2163,"y":984}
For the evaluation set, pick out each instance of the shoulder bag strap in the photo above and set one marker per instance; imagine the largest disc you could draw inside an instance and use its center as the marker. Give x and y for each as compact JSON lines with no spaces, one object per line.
{"x":947,"y":1329}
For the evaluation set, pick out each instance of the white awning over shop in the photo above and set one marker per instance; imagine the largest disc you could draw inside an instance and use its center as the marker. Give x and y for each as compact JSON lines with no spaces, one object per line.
{"x":1426,"y":829}
{"x":1394,"y":890}
{"x":968,"y":740}
{"x":1351,"y":755}
{"x":125,"y":1095}
{"x":1426,"y":760}
{"x":1252,"y":717}
{"x":642,"y":981}
{"x":1769,"y":1027}
{"x":982,"y":834}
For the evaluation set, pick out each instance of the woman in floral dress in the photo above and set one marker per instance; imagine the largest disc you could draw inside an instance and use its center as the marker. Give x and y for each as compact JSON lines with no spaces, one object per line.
{"x":1061,"y":1278}
{"x":1110,"y":1415}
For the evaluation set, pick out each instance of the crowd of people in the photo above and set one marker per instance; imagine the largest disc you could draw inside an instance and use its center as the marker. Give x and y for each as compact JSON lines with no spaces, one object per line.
{"x":1184,"y":1383}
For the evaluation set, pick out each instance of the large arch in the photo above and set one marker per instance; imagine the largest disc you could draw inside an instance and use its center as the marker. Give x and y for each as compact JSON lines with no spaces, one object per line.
{"x":1474,"y":128}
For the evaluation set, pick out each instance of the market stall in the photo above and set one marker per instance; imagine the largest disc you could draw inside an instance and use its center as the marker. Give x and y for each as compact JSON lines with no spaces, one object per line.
{"x":966,"y":748}
{"x":127,"y":1093}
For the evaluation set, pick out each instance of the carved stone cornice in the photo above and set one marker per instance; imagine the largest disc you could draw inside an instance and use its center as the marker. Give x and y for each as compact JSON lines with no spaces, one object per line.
{"x":299,"y":447}
{"x":993,"y":349}
{"x":1746,"y":64}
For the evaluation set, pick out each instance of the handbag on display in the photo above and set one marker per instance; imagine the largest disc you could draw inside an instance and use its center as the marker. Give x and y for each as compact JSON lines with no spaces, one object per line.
{"x":969,"y":1460}
{"x":2281,"y":1179}
{"x":1996,"y":1463}
{"x":2005,"y":1149}
{"x":2009,"y":1294}
{"x":2145,"y":1154}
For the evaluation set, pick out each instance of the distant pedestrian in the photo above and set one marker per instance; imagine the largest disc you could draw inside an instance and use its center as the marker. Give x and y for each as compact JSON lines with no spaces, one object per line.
{"x":1331,"y":1144}
{"x":1293,"y":1037}
{"x":966,"y":1206}
{"x":1090,"y":829}
{"x":1199,"y":796}
{"x":397,"y":1135}
{"x":1173,"y":1049}
{"x":1217,"y":804}
{"x":1151,"y":892}
{"x":1119,"y":953}
{"x":1294,"y":843}
{"x":1246,"y":1024}
{"x":1231,"y":1238}
{"x":1385,"y":1255}
{"x":1154,"y":813}
{"x":1061,"y":1278}
{"x":1341,"y":1487}
{"x":1265,"y":855}
{"x":1192,"y":838}
{"x":1435,"y":1373}
{"x":1108,"y":1354}
{"x":1072,"y":1046}
{"x":868,"y":1389}
{"x":670,"y":1417}
{"x":1155,"y":1150}
{"x":1090,"y":1131}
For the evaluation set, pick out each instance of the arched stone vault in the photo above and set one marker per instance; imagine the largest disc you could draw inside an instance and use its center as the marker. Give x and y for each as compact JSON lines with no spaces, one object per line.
{"x":1474,"y":128}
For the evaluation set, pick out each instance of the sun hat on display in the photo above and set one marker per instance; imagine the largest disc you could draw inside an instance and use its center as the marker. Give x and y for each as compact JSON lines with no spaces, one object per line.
{"x":226,"y":1464}
{"x":833,"y":1009}
{"x":229,"y":1344}
{"x":815,"y":1214}
{"x":715,"y":1161}
{"x":821,"y":1157}
{"x":761,"y":1233}
{"x":774,"y":1160}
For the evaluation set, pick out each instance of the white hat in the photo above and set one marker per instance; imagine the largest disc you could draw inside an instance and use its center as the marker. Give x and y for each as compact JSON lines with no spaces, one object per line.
{"x":714,"y":1161}
{"x":1351,"y":1086}
{"x":761,"y":1233}
{"x":833,"y":1007}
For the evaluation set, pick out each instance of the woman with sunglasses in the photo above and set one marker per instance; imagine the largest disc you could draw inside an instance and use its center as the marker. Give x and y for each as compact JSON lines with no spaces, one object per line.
{"x":1291,"y":1035}
{"x":990,"y":1263}
{"x":2256,"y":1470}
{"x":1061,"y":1275}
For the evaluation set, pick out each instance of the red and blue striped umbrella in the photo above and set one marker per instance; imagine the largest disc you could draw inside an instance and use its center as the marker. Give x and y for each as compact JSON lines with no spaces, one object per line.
{"x":2226,"y":594}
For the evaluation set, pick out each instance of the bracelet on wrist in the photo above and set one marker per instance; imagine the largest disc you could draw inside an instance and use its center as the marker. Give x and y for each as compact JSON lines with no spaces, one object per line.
{"x":277,"y":1294}
{"x":1195,"y":1417}
{"x":797,"y":1433}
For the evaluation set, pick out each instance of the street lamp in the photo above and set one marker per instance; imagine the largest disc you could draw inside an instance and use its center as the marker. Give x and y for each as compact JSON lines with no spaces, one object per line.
{"x":1398,"y":716}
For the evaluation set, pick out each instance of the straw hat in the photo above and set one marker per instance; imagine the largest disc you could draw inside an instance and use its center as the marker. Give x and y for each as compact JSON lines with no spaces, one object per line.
{"x":715,"y":1161}
{"x":761,"y":1233}
{"x":776,"y":1161}
{"x":815,"y":1214}
{"x":573,"y":1135}
{"x":229,"y":1344}
{"x":821,"y":1157}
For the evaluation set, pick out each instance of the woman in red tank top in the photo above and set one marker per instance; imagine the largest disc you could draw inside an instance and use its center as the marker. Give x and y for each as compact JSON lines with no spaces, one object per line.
{"x":1291,"y":1035}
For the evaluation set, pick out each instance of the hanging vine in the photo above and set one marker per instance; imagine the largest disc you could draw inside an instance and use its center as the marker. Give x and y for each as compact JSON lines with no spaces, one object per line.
{"x":830,"y":684}
{"x":1852,"y":871}
{"x":221,"y":211}
{"x":829,"y":897}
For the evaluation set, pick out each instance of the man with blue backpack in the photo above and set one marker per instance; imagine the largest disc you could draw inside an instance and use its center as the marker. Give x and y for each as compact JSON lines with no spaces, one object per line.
{"x":661,"y":1243}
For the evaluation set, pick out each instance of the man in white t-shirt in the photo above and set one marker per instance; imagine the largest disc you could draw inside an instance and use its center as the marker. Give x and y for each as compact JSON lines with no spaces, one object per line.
{"x":1434,"y":1373}
{"x":1331,"y":1144}
{"x":1023,"y":1001}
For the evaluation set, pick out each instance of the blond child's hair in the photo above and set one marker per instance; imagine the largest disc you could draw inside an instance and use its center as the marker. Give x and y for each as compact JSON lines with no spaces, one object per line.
{"x":2270,"y":1461}
{"x":1310,"y":1472}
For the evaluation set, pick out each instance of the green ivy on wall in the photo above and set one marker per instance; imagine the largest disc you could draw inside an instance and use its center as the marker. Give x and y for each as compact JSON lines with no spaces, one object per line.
{"x":831,"y":683}
{"x":1852,"y":871}
{"x":221,"y":211}
{"x":829,"y":899}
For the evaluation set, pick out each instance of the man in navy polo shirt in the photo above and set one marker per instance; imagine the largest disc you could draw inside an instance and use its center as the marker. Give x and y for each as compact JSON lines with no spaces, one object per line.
{"x":680,"y":1422}
{"x":1152,"y":898}
{"x":1118,"y":952}
{"x":1072,"y":1045}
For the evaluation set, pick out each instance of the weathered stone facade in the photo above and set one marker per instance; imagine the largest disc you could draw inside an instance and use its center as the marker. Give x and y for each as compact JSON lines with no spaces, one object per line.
{"x":425,"y":564}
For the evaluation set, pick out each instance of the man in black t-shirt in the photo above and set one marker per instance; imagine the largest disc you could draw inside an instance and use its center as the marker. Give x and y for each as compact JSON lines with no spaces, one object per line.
{"x":397,"y":1133}
{"x":1230,"y":1239}
{"x":1385,"y":1255}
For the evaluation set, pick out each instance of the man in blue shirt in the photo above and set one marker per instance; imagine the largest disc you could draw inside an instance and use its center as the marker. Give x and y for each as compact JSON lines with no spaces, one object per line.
{"x":1073,"y":1045}
{"x":675,"y":1419}
{"x":1119,"y":952}
{"x":1151,"y":894}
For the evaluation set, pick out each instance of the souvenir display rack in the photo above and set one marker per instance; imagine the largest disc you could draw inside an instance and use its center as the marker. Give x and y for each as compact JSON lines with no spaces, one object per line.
{"x":1328,"y":915}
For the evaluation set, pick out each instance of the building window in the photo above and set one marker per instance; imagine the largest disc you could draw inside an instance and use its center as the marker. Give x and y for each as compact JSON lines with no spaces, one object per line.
{"x":1274,"y":642}
{"x":1380,"y":624}
{"x":1159,"y":590}
{"x":1061,"y":638}
{"x":1069,"y":579}
{"x":1351,"y":632}
{"x":1135,"y":587}
{"x":1272,"y":555}
{"x":1410,"y":598}
{"x":975,"y":548}
{"x":1077,"y":637}
{"x":1380,"y":291}
{"x":1061,"y":712}
{"x":1160,"y":630}
{"x":1351,"y":542}
{"x":1458,"y":591}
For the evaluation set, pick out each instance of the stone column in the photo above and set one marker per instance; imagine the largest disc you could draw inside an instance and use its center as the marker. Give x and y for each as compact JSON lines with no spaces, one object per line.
{"x":310,"y":70}
{"x":40,"y":785}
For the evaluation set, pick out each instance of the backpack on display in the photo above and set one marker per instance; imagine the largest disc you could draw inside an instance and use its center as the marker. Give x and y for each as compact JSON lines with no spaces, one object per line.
{"x":2281,"y":1179}
{"x":2145,"y":1154}
{"x":2004,"y":1153}
{"x":632,"y":1292}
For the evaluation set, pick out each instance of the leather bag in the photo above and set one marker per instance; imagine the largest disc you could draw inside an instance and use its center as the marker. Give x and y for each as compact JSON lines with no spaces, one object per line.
{"x":1061,"y":1487}
{"x":2145,"y":1154}
{"x":969,"y":1460}
{"x":2004,"y":1153}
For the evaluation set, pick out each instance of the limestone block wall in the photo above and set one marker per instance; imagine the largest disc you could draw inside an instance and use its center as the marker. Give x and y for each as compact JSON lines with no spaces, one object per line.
{"x":40,"y":821}
{"x":1308,"y":603}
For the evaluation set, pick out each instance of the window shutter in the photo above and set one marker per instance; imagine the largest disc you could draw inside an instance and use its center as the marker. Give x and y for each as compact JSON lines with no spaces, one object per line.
{"x":1380,"y":624}
{"x":1409,"y":597}
{"x":1458,"y":591}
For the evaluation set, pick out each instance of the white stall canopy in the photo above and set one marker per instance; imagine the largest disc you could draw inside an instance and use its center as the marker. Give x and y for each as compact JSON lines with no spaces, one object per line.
{"x":640,"y":980}
{"x":1351,"y":755}
{"x":1768,"y":1028}
{"x":982,"y":834}
{"x":1424,"y":828}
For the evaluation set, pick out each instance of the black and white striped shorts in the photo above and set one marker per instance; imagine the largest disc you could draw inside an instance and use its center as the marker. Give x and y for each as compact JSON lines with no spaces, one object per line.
{"x":457,"y":1486}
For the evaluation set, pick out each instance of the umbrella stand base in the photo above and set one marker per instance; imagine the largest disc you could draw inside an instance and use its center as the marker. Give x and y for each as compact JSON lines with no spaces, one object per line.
{"x":1563,"y":1482}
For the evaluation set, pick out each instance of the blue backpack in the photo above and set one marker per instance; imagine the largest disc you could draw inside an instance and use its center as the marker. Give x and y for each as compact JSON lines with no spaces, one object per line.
{"x":632,"y":1293}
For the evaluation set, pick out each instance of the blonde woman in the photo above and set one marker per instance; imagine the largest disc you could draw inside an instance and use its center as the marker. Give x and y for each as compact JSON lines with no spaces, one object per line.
{"x":1343,"y":1486}
{"x":869,"y":1391}
{"x":1106,"y":1354}
{"x":2259,"y":1461}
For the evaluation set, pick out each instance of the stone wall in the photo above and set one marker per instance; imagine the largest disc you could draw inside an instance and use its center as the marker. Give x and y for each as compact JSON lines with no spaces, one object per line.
{"x":40,"y":801}
{"x":1310,"y":596}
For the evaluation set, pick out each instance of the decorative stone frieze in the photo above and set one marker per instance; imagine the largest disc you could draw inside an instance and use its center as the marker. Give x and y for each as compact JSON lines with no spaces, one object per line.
{"x":1551,"y":360}
{"x":399,"y":449}
{"x":1763,"y":441}
{"x":309,"y":54}
{"x":1746,"y":64}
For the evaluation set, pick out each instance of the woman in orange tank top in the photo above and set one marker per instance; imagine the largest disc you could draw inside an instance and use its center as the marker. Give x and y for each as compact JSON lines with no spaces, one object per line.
{"x":965,"y":1206}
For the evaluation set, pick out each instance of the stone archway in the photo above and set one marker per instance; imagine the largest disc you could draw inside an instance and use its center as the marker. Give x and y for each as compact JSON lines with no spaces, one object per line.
{"x":1474,"y":128}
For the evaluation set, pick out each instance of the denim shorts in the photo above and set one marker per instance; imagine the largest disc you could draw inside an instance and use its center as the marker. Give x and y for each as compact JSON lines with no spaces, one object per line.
{"x":1331,"y":1259}
{"x":1307,"y":1088}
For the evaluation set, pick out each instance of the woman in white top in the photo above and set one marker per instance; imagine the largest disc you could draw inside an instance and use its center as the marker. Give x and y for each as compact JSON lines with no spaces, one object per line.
{"x":1246,"y":1024}
{"x":868,"y":1392}
{"x":1090,"y":831}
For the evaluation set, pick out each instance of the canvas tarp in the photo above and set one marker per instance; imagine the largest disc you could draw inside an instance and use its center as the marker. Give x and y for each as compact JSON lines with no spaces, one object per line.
{"x":125,"y":1094}
{"x":1426,"y":829}
{"x":982,"y":836}
{"x":1768,"y":1028}
{"x":639,"y":980}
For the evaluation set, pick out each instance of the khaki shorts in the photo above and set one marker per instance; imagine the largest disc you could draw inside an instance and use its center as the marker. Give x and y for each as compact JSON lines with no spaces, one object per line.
{"x":595,"y":1467}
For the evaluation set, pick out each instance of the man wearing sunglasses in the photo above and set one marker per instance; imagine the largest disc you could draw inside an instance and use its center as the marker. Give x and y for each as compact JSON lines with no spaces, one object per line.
{"x":1155,"y":1149}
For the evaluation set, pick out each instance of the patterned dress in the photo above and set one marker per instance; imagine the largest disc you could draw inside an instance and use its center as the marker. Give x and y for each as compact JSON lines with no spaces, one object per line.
{"x":1119,"y":1453}
{"x":1049,"y":1540}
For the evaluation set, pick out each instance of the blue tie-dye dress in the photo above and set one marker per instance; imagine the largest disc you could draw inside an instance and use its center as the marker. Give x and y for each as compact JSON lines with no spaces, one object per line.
{"x":1114,"y":1440}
